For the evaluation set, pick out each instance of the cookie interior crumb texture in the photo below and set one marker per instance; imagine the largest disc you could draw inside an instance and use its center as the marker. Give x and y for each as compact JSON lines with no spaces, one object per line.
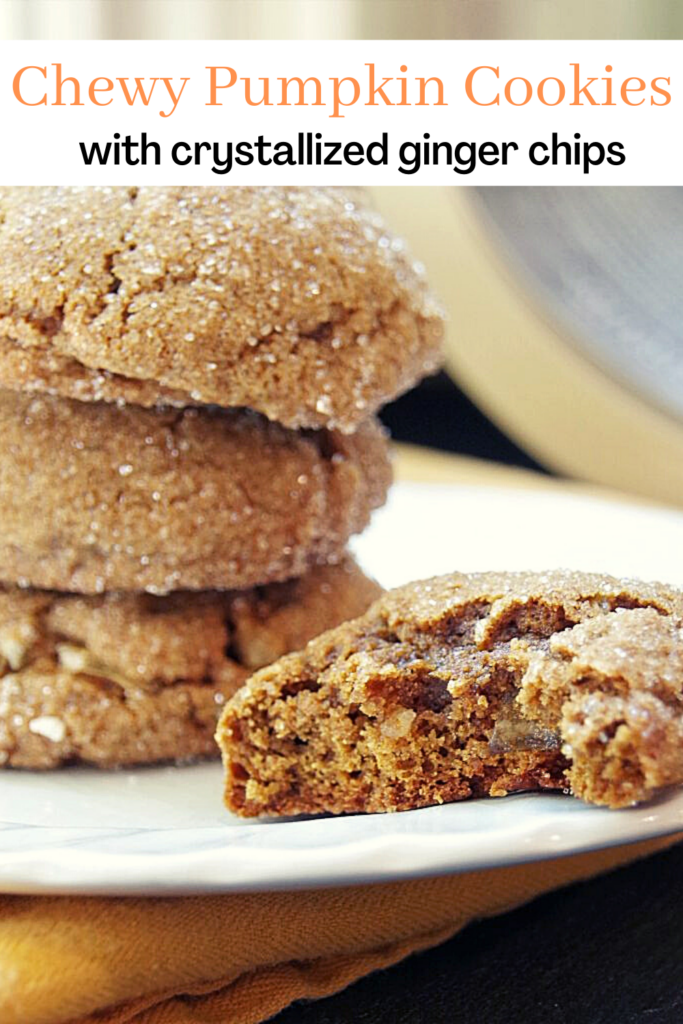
{"x":296,"y":302}
{"x":134,"y":678}
{"x":465,"y":686}
{"x":94,"y":497}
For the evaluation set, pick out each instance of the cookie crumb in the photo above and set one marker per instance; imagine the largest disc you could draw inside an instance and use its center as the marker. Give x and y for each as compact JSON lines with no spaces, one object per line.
{"x":49,"y":726}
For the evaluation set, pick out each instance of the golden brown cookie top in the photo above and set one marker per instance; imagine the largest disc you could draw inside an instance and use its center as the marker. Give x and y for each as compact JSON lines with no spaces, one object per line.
{"x":476,"y":612}
{"x":296,"y":302}
{"x":95,"y":497}
{"x":506,"y":602}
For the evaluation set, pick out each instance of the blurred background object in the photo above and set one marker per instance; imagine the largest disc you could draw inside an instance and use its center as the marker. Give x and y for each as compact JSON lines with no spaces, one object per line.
{"x":340,"y":19}
{"x":565,"y":329}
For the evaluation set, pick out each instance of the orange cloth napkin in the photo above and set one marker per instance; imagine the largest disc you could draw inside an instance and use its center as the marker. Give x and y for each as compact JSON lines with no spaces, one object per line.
{"x":238,"y":959}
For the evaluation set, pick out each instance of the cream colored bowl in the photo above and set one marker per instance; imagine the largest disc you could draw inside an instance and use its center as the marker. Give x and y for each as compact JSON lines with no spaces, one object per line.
{"x":534,"y":376}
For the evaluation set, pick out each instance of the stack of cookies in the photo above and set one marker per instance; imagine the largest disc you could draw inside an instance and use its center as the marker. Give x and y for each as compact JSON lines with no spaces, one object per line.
{"x":188,"y":382}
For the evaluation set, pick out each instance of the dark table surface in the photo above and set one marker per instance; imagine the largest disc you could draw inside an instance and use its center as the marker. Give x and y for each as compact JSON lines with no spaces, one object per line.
{"x":606,"y":951}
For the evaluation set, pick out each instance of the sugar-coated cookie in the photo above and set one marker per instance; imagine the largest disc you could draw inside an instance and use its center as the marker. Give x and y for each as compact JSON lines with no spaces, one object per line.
{"x":135,"y":678}
{"x":97,"y":497}
{"x":296,"y":302}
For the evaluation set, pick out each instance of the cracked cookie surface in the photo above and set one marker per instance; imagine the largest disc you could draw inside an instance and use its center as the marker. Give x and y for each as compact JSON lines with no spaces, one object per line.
{"x":296,"y":302}
{"x":94,"y":497}
{"x":468,"y":685}
{"x":135,"y":678}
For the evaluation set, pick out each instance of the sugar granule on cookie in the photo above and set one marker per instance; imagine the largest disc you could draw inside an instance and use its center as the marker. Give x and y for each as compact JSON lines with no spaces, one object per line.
{"x":465,"y":686}
{"x":135,"y":678}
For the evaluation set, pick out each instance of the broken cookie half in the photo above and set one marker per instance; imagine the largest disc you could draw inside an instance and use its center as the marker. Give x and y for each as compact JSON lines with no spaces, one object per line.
{"x":464,"y":686}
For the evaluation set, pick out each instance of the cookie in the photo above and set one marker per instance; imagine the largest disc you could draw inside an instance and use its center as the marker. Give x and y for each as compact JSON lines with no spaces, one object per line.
{"x":465,"y":686}
{"x":296,"y":302}
{"x":135,"y":678}
{"x":97,"y":497}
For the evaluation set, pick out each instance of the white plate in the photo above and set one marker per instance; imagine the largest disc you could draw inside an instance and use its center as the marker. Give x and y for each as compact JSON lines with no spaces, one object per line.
{"x":163,"y":830}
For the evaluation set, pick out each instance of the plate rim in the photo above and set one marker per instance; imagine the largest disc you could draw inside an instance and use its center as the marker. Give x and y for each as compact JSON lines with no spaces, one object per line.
{"x":61,"y":868}
{"x":36,"y":867}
